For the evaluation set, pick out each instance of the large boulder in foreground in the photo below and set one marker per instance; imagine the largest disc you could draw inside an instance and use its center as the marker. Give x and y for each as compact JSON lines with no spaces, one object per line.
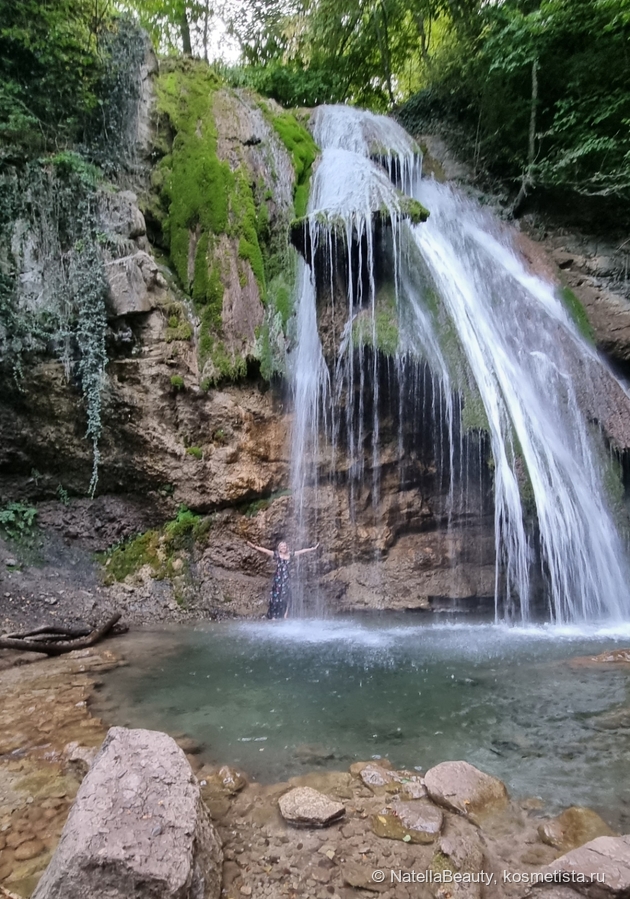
{"x":138,"y":827}
{"x":462,"y":788}
{"x":598,"y":869}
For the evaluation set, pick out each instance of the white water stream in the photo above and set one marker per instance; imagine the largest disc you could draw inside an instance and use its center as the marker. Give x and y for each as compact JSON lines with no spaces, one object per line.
{"x":516,"y":350}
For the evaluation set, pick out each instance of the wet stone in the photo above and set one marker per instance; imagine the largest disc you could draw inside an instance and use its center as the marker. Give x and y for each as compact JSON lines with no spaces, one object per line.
{"x":462,"y":788}
{"x":411,"y":822}
{"x":306,"y":807}
{"x":574,"y":827}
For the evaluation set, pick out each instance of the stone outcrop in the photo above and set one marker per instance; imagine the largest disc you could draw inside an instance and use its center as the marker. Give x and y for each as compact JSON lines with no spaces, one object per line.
{"x":462,"y":788}
{"x":138,"y":827}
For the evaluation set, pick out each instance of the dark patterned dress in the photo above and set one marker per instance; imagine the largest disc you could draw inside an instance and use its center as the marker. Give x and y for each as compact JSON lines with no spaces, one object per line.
{"x":280,"y":587}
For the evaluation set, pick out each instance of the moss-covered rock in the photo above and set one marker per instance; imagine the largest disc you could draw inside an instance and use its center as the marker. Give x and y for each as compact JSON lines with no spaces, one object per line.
{"x":379,"y":328}
{"x":163,"y":550}
{"x":303,"y":150}
{"x":226,"y":186}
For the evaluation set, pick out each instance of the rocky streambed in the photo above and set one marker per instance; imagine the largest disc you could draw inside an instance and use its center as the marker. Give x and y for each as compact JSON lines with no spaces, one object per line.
{"x":323,"y":834}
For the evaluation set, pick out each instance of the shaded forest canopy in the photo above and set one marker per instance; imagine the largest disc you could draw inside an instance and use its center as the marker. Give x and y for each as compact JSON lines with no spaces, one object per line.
{"x":536,"y":92}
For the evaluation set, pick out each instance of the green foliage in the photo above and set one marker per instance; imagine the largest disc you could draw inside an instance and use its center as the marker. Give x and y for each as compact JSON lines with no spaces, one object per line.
{"x":481,"y":83}
{"x":63,"y":495}
{"x":156,"y":548}
{"x":110,"y":133}
{"x":195,"y":451}
{"x":177,"y":382}
{"x":17,"y":521}
{"x":49,"y":69}
{"x":179,"y":328}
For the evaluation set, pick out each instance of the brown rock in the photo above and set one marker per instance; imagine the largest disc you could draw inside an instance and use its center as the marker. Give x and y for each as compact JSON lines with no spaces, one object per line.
{"x":28,"y":850}
{"x":305,"y":807}
{"x":463,"y":788}
{"x":574,"y":827}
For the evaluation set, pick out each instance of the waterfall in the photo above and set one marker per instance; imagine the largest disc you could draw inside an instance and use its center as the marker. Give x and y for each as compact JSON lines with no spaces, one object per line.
{"x":493,"y":337}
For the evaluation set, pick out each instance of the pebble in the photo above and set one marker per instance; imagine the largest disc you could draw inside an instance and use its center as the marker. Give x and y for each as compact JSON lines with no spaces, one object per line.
{"x":28,"y":850}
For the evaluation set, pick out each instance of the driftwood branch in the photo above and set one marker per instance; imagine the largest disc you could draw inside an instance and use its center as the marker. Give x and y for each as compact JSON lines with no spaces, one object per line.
{"x":51,"y":632}
{"x":59,"y":647}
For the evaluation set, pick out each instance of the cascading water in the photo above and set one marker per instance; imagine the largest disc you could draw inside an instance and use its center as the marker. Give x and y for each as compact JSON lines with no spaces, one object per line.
{"x":489,"y":332}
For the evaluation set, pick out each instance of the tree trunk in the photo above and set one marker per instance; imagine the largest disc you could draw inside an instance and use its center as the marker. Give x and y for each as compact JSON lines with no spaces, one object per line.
{"x":383,"y":39}
{"x":185,"y":28}
{"x":528,"y":175}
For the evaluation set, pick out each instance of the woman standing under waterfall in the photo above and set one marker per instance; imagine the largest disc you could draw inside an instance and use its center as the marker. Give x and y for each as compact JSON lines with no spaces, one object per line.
{"x":281,"y":585}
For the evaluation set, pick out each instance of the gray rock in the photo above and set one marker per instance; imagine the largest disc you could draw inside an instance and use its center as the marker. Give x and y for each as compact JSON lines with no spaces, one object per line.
{"x":138,"y":827}
{"x":463,"y":788}
{"x":598,"y":869}
{"x":306,"y":807}
{"x":135,"y":284}
{"x":361,"y":877}
{"x":415,"y":822}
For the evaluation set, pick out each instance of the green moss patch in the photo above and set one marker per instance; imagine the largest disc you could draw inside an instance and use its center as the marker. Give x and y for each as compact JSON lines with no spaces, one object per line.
{"x":205,"y":200}
{"x":303,"y":151}
{"x":381,"y":330}
{"x":160,"y":549}
{"x":414,"y":211}
{"x":577,"y":313}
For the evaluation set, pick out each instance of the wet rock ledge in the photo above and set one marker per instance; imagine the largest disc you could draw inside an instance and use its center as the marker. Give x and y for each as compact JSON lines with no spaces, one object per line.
{"x":131,"y":818}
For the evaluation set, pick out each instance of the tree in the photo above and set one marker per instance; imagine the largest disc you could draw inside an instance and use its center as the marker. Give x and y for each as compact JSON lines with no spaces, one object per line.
{"x":49,"y":65}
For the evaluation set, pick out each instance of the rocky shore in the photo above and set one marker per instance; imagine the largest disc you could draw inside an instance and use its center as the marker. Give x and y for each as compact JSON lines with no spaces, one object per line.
{"x":450,"y":831}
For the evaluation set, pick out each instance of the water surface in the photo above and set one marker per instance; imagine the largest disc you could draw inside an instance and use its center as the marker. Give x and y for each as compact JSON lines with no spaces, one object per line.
{"x":279,"y":698}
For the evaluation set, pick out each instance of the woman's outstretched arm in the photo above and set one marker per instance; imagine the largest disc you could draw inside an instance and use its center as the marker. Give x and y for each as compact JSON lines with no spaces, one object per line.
{"x":309,"y":549}
{"x":261,"y":549}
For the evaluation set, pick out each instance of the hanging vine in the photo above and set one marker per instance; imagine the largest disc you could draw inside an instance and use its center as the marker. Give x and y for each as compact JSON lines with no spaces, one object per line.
{"x":50,"y":208}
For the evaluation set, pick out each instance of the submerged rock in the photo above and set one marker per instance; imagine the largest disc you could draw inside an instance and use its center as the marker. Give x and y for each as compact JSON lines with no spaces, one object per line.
{"x":305,"y":807}
{"x":574,"y":827}
{"x":462,"y":788}
{"x":138,"y":827}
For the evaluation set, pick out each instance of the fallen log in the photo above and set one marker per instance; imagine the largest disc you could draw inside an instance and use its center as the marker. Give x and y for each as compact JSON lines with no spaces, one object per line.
{"x":54,"y":631}
{"x":60,"y":647}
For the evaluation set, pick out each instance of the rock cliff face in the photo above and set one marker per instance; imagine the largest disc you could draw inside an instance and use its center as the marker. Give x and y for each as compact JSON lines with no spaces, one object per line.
{"x":188,"y":420}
